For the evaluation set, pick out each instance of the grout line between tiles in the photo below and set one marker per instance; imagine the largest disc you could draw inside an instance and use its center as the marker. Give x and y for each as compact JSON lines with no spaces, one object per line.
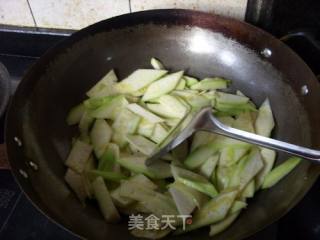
{"x":33,"y":18}
{"x":11,"y":212}
{"x":130,"y":6}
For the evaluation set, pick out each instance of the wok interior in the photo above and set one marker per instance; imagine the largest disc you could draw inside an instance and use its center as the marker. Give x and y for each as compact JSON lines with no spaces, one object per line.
{"x":201,"y":52}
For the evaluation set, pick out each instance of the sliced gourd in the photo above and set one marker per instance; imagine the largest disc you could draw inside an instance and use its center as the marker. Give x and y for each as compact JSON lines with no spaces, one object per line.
{"x":105,"y":87}
{"x":138,"y":179}
{"x":86,"y":122}
{"x":157,"y":203}
{"x":249,"y":190}
{"x":159,"y":110}
{"x":193,"y":180}
{"x":141,"y":143}
{"x":96,"y":102}
{"x":79,"y":156}
{"x":224,"y":224}
{"x":268,"y":157}
{"x":211,"y":95}
{"x":181,"y":85}
{"x":75,"y":114}
{"x":211,"y":84}
{"x":100,"y":136}
{"x":280,"y":172}
{"x":111,"y":176}
{"x":238,"y":92}
{"x":166,"y":111}
{"x":74,"y":180}
{"x":213,"y":211}
{"x":169,"y":106}
{"x":119,"y":200}
{"x":109,"y":158}
{"x":190,"y":80}
{"x":186,"y":93}
{"x":136,"y":163}
{"x":162,"y":86}
{"x":119,"y":138}
{"x":103,"y":197}
{"x":138,"y":93}
{"x":186,"y":198}
{"x":201,"y":138}
{"x":226,"y":157}
{"x":184,"y":102}
{"x":200,"y":155}
{"x":221,"y":142}
{"x":223,"y":177}
{"x":159,"y":133}
{"x":174,"y":131}
{"x":138,"y":80}
{"x":126,"y":187}
{"x":175,"y":105}
{"x":231,"y":155}
{"x":236,"y":206}
{"x":126,"y":123}
{"x":207,"y":168}
{"x":146,"y":128}
{"x":133,"y":149}
{"x":244,"y":122}
{"x":110,"y":110}
{"x":226,"y":120}
{"x":265,"y":122}
{"x":135,"y":208}
{"x":247,"y":169}
{"x":232,"y":109}
{"x":144,"y":113}
{"x":172,"y":122}
{"x":193,"y":98}
{"x":184,"y":202}
{"x":156,"y":64}
{"x":233,"y":99}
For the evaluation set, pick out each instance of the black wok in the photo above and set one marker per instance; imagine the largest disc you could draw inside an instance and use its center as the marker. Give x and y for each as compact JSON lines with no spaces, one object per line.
{"x":203,"y":45}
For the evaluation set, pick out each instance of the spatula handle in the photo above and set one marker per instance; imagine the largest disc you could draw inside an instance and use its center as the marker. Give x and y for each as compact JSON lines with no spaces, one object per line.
{"x":216,"y":126}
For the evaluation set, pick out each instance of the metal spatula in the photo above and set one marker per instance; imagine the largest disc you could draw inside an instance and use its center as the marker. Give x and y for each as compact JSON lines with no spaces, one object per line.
{"x":205,"y":121}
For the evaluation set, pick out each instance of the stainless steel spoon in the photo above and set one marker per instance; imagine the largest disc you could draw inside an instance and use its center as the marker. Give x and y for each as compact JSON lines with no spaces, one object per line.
{"x":205,"y":121}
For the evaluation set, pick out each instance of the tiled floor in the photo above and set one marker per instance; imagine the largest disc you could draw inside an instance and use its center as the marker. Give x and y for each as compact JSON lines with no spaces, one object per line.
{"x":75,"y":14}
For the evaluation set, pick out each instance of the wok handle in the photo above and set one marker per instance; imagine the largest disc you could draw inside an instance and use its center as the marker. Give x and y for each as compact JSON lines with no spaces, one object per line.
{"x":4,"y":164}
{"x":308,"y":35}
{"x":217,"y":127}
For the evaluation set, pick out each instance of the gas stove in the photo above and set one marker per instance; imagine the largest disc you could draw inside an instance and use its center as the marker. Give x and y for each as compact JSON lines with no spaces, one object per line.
{"x":19,"y":219}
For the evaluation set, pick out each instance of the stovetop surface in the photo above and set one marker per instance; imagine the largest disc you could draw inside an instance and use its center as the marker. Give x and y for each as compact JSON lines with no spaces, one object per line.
{"x":19,"y":219}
